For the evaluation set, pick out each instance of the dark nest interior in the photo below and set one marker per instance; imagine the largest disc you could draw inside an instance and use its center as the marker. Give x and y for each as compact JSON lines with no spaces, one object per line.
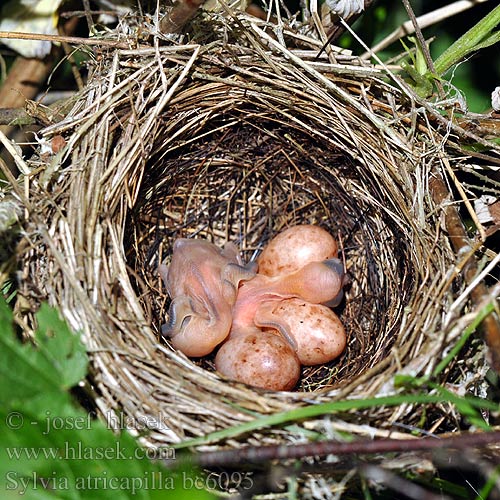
{"x":234,"y":141}
{"x":243,"y":178}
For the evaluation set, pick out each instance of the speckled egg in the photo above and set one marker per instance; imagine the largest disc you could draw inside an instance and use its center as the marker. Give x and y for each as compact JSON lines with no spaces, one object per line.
{"x":295,"y":247}
{"x":260,"y":359}
{"x":318,"y":332}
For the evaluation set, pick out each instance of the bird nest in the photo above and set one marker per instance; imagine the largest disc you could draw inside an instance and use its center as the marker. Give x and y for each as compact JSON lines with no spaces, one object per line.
{"x":235,"y":139}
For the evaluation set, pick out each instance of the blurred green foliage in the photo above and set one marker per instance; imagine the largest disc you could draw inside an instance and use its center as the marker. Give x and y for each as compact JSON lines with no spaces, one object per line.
{"x":49,"y":446}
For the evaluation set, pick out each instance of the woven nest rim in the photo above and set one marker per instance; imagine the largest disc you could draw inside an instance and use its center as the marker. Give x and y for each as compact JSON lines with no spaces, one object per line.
{"x":143,"y":110}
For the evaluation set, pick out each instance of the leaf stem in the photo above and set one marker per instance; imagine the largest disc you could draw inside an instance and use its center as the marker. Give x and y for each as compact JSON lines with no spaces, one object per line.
{"x":478,"y":36}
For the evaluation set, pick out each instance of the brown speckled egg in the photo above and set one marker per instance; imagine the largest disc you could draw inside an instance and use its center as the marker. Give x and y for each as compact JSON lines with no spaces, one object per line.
{"x":295,"y":247}
{"x":261,"y":359}
{"x":317,"y":330}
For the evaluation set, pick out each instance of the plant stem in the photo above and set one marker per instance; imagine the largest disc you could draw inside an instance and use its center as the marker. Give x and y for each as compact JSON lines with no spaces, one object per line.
{"x":327,"y":408}
{"x":423,"y":46}
{"x":480,"y":34}
{"x":461,"y":243}
{"x":260,"y":454}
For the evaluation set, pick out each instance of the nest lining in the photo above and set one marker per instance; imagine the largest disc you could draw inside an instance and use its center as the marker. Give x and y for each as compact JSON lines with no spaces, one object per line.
{"x":221,"y":143}
{"x":253,"y":183}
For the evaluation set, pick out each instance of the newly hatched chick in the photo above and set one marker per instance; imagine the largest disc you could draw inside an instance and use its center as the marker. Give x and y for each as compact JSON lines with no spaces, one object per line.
{"x":202,"y":281}
{"x":316,"y":283}
{"x":261,"y":358}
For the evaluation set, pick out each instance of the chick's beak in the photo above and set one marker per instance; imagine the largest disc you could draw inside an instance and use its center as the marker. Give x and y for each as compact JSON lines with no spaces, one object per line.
{"x":336,"y":266}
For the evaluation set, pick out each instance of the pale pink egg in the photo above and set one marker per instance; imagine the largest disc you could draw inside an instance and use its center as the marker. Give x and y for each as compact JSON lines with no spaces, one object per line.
{"x":318,"y":332}
{"x":295,"y":247}
{"x":260,"y":359}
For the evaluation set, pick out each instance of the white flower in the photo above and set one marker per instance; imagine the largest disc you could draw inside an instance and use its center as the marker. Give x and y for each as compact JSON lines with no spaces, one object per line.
{"x":346,"y":8}
{"x":29,"y":16}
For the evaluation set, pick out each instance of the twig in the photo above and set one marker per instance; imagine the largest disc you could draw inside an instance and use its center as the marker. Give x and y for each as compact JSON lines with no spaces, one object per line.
{"x":455,"y":127}
{"x":15,"y":116}
{"x":180,"y":14}
{"x":461,"y":244}
{"x":63,"y":30}
{"x":424,"y":21}
{"x":337,"y":90}
{"x":83,"y":13}
{"x":68,"y":39}
{"x":261,"y":454}
{"x":423,"y":46}
{"x":9,"y":146}
{"x":16,"y":88}
{"x":16,"y":187}
{"x":88,"y":16}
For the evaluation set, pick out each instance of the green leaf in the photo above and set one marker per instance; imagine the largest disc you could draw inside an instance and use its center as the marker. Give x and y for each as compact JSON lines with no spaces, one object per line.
{"x":485,"y":311}
{"x":61,"y":347}
{"x":419,"y":77}
{"x":25,"y":372}
{"x":488,"y":42}
{"x":468,"y":406}
{"x":50,"y":448}
{"x":336,"y":407}
{"x":489,"y":485}
{"x":454,"y":489}
{"x":59,"y":361}
{"x":422,"y":84}
{"x":479,"y":36}
{"x":75,"y":457}
{"x":479,"y":148}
